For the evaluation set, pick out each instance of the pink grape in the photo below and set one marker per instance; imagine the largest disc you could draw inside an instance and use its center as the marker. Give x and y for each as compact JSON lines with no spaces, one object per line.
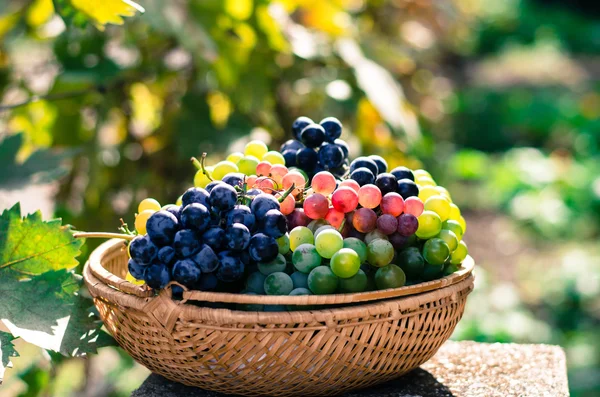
{"x":263,"y":168}
{"x":277,"y":172}
{"x":398,"y":241}
{"x":351,"y":183}
{"x":369,"y":196}
{"x":364,"y":220}
{"x":294,"y":178}
{"x":323,"y":182}
{"x":288,"y":205}
{"x":393,"y":204}
{"x":344,"y":199}
{"x":265,"y":184}
{"x":414,"y":206}
{"x":250,"y":181}
{"x":297,"y":218}
{"x":316,"y":206}
{"x":387,"y":224}
{"x":407,"y":225}
{"x":335,"y":217}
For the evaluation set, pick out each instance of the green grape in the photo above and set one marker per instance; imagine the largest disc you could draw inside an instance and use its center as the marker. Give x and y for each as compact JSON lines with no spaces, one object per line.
{"x":411,"y":262}
{"x":321,"y":281}
{"x":283,"y":243}
{"x":276,"y":265}
{"x":430,"y":225}
{"x":320,"y":229}
{"x":255,"y":283}
{"x":299,"y":279}
{"x":455,"y":227}
{"x":345,"y":263}
{"x":459,"y":254}
{"x":247,"y":165}
{"x":306,"y":258}
{"x":450,"y":238}
{"x":235,"y":157}
{"x":201,"y":179}
{"x":328,"y":242}
{"x":317,"y":223}
{"x":278,"y":283}
{"x":436,"y":251}
{"x":300,"y":235}
{"x":374,"y":235}
{"x":390,"y":276}
{"x":179,"y":200}
{"x":274,"y":157}
{"x":380,"y":253}
{"x":440,"y":205}
{"x":432,"y":272}
{"x":427,"y":191}
{"x":356,"y":283}
{"x":223,"y":168}
{"x":454,"y":212}
{"x":299,"y":292}
{"x":463,"y":224}
{"x":449,"y":268}
{"x":357,"y":246}
{"x":251,"y":307}
{"x":256,"y":148}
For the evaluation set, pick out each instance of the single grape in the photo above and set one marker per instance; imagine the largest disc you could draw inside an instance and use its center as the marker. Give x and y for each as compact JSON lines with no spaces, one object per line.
{"x":432,"y":272}
{"x":328,"y":242}
{"x":440,"y":205}
{"x":294,"y":178}
{"x":420,"y":173}
{"x":148,"y":204}
{"x":386,"y":183}
{"x":214,"y":238}
{"x":256,"y":148}
{"x":374,"y":235}
{"x":313,"y":135}
{"x":411,"y":262}
{"x":195,"y":195}
{"x":390,"y":276}
{"x":364,"y":162}
{"x":351,"y":183}
{"x":237,"y":237}
{"x":424,"y":181}
{"x":299,"y":279}
{"x":459,"y":254}
{"x":463,"y":224}
{"x":274,"y":157}
{"x":266,"y":185}
{"x":454,"y":212}
{"x":231,"y":268}
{"x":136,"y":269}
{"x":414,"y":206}
{"x":277,"y":173}
{"x":208,"y":188}
{"x":263,"y":248}
{"x":291,"y":144}
{"x":157,"y":276}
{"x":363,"y":176}
{"x":278,"y":283}
{"x":297,"y":218}
{"x":223,"y":168}
{"x":369,"y":196}
{"x":316,"y":206}
{"x":357,"y":246}
{"x":263,"y":168}
{"x":129,"y":277}
{"x":306,"y":258}
{"x":407,"y":188}
{"x":203,"y":178}
{"x":307,"y":159}
{"x":323,"y":228}
{"x":427,"y":191}
{"x":344,"y":146}
{"x":166,"y":255}
{"x":206,"y":259}
{"x":143,"y":250}
{"x":247,"y":165}
{"x":332,"y":127}
{"x":186,"y":243}
{"x":322,"y":281}
{"x":335,"y":218}
{"x":255,"y":283}
{"x":449,"y":268}
{"x":430,"y":225}
{"x":455,"y":227}
{"x":273,"y":224}
{"x":407,"y":225}
{"x":387,"y":224}
{"x":141,"y":219}
{"x":234,"y":179}
{"x":195,"y":216}
{"x":300,"y":235}
{"x":276,"y":265}
{"x":235,"y":157}
{"x":316,"y":224}
{"x":262,"y":203}
{"x":356,"y":283}
{"x":403,"y":173}
{"x":223,"y":197}
{"x":449,"y":238}
{"x":344,"y":199}
{"x":444,"y":192}
{"x":382,"y":165}
{"x":398,"y":241}
{"x":345,"y":263}
{"x":436,"y":251}
{"x":299,"y":124}
{"x":324,"y":183}
{"x":331,"y":156}
{"x":289,"y":156}
{"x":173,"y":209}
{"x":241,"y":214}
{"x":380,"y":252}
{"x":392,"y":204}
{"x":364,"y":220}
{"x":186,"y":272}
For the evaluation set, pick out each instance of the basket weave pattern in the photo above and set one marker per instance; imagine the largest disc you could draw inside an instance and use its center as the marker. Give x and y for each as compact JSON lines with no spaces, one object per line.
{"x":319,"y":352}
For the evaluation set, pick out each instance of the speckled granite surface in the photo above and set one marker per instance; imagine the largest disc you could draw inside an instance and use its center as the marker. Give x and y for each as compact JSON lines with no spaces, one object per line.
{"x":459,"y":369}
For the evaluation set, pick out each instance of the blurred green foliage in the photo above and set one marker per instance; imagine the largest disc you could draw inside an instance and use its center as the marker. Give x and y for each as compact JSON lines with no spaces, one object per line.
{"x":499,"y":100}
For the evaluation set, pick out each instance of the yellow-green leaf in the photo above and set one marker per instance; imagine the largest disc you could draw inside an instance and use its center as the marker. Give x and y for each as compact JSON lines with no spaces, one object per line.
{"x":107,"y":11}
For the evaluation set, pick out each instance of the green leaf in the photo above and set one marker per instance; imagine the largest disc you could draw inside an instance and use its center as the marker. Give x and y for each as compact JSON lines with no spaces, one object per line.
{"x":7,"y":350}
{"x":42,"y":166}
{"x":30,"y":246}
{"x":78,"y":12}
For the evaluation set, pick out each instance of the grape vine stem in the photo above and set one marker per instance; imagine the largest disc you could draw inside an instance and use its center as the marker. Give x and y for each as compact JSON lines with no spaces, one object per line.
{"x":103,"y":235}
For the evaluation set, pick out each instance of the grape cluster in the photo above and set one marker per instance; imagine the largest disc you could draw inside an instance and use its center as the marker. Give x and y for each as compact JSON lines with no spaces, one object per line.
{"x":316,"y":147}
{"x":208,"y":241}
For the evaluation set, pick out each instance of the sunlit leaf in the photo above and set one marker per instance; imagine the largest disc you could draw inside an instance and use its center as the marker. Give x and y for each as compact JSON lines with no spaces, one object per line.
{"x":99,"y":13}
{"x":7,"y":350}
{"x":239,"y":9}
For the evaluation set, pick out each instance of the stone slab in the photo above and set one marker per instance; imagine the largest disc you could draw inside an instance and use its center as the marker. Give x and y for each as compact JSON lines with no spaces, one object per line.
{"x":459,"y":369}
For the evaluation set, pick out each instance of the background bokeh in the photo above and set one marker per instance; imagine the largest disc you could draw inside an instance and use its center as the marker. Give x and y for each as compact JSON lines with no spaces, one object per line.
{"x":499,"y":100}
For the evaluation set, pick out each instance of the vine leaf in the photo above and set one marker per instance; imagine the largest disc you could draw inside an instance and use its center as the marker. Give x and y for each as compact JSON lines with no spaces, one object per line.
{"x":7,"y":350}
{"x":42,"y":166}
{"x":78,"y":12}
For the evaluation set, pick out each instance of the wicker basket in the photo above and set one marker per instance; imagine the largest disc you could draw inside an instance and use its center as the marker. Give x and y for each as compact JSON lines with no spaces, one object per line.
{"x":299,"y":353}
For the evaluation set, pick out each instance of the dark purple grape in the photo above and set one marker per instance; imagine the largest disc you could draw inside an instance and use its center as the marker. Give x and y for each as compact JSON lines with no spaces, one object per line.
{"x":291,"y":144}
{"x":234,"y":179}
{"x":332,"y":127}
{"x":313,"y":135}
{"x":297,"y":218}
{"x":195,"y":216}
{"x":143,"y":250}
{"x":186,"y":272}
{"x":206,"y":259}
{"x":195,"y":195}
{"x":299,"y":124}
{"x":241,"y":214}
{"x":263,"y":203}
{"x":387,"y":183}
{"x":407,"y":225}
{"x":381,"y":163}
{"x":214,"y":238}
{"x":407,"y":188}
{"x":273,"y":224}
{"x":161,"y":227}
{"x":157,"y":276}
{"x":186,"y":243}
{"x":174,"y":209}
{"x":166,"y":255}
{"x":387,"y":224}
{"x":366,"y":162}
{"x":344,"y":146}
{"x":263,"y":248}
{"x":331,"y":156}
{"x":207,"y":282}
{"x":363,"y":176}
{"x":237,"y":237}
{"x":290,"y":157}
{"x":398,"y":241}
{"x":136,"y":269}
{"x":403,"y":173}
{"x":211,"y":186}
{"x":223,"y":197}
{"x":307,"y":159}
{"x":231,"y":268}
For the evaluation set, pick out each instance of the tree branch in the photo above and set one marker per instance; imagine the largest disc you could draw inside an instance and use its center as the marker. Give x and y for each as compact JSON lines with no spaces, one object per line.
{"x":53,"y":97}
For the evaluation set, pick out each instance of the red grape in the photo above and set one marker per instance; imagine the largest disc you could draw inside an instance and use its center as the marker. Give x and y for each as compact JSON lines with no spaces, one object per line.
{"x":407,"y":225}
{"x":335,"y":218}
{"x":323,"y":182}
{"x":393,"y":204}
{"x":250,"y":181}
{"x":364,"y":220}
{"x":277,"y":172}
{"x":294,"y":178}
{"x":351,"y":183}
{"x":387,"y":224}
{"x":263,"y":168}
{"x":369,"y":196}
{"x":265,"y":184}
{"x":297,"y":218}
{"x":316,"y":206}
{"x":288,"y":205}
{"x":414,"y":206}
{"x":344,"y":199}
{"x":398,"y":241}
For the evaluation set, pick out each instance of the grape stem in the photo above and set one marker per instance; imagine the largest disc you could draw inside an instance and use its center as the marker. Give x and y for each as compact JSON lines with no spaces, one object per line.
{"x":200,"y":165}
{"x":103,"y":235}
{"x":287,"y":193}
